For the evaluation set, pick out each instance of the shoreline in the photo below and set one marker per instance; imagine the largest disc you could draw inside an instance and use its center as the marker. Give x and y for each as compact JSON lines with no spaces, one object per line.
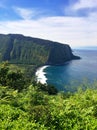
{"x":40,"y":74}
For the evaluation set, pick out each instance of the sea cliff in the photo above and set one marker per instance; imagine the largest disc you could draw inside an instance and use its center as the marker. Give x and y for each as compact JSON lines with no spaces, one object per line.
{"x":20,"y":49}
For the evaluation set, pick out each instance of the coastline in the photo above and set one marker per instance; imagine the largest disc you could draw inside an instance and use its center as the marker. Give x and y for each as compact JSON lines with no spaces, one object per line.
{"x":39,"y":70}
{"x":40,"y":74}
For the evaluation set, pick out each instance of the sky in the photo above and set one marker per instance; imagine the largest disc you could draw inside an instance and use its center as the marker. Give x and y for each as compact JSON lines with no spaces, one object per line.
{"x":72,"y":22}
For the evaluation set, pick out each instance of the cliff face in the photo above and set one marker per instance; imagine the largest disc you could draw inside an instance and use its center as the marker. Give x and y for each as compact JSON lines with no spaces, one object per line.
{"x":20,"y":49}
{"x":59,"y":54}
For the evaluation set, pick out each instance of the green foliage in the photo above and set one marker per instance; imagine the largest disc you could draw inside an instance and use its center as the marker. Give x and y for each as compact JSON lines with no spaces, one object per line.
{"x":41,"y":107}
{"x":13,"y":79}
{"x":32,"y":109}
{"x":3,"y":73}
{"x":50,"y":89}
{"x":23,"y":50}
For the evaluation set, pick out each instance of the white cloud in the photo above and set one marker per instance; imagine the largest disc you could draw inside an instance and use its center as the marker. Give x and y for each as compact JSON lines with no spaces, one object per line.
{"x":81,"y":8}
{"x":85,"y":4}
{"x":74,"y":31}
{"x":25,"y":13}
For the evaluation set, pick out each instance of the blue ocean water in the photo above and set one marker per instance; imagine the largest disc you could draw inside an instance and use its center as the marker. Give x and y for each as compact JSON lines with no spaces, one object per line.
{"x":69,"y":76}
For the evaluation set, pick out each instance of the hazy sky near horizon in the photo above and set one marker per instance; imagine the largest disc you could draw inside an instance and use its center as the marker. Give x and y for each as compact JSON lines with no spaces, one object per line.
{"x":68,"y":21}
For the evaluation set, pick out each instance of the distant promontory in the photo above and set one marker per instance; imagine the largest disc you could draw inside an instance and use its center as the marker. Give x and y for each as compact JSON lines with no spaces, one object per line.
{"x":20,"y":49}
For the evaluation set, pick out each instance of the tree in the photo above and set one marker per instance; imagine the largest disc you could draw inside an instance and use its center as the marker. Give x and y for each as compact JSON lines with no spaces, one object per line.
{"x":50,"y":89}
{"x":3,"y":73}
{"x":13,"y":79}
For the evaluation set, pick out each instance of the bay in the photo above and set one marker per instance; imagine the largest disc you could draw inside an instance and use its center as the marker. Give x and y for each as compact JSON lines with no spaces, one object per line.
{"x":68,"y":77}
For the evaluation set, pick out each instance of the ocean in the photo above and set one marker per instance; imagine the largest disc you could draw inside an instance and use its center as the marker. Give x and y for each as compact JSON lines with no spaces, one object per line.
{"x":73,"y":74}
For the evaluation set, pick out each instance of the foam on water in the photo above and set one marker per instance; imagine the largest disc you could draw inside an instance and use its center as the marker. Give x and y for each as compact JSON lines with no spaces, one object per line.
{"x":40,"y":75}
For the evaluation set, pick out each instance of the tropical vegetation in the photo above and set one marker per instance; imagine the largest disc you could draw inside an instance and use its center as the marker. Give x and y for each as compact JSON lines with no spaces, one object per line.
{"x":32,"y":106}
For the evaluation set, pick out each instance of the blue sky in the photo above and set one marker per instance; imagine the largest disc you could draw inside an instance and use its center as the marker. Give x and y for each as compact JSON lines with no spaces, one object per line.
{"x":68,"y":21}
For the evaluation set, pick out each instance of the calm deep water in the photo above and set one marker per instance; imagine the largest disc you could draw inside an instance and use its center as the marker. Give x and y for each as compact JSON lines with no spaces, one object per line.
{"x":69,"y":76}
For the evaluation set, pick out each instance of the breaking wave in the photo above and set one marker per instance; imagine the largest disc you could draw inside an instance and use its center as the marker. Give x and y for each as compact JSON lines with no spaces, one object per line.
{"x":40,"y":75}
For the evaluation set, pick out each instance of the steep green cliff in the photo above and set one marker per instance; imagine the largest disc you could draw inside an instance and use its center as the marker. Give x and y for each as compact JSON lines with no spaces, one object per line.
{"x":60,"y":53}
{"x":17,"y":48}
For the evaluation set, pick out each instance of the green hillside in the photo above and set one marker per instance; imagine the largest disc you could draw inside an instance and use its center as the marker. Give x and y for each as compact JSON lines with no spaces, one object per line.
{"x":40,"y":107}
{"x":17,"y":48}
